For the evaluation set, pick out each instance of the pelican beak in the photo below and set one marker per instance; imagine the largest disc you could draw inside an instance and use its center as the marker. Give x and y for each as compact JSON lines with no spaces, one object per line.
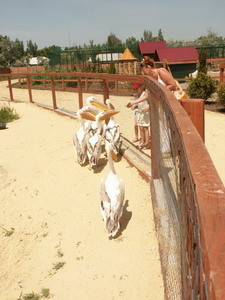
{"x":87,"y":116}
{"x":108,"y":114}
{"x":90,"y":111}
{"x":111,"y":106}
{"x":98,"y":104}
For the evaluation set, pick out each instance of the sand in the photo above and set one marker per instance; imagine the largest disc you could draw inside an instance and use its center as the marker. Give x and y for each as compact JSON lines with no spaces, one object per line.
{"x":51,"y":231}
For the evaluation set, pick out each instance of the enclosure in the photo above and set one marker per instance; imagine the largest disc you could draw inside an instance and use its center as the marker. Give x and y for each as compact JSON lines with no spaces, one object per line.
{"x":187,"y":193}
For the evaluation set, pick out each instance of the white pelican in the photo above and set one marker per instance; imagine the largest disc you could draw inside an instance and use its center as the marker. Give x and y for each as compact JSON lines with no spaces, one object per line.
{"x":94,"y":142}
{"x":79,"y":137}
{"x":112,"y":191}
{"x":112,"y":131}
{"x":96,"y":106}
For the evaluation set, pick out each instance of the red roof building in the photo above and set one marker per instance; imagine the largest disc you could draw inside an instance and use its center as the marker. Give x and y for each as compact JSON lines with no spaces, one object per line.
{"x":176,"y":54}
{"x":181,"y":60}
{"x":149,"y":48}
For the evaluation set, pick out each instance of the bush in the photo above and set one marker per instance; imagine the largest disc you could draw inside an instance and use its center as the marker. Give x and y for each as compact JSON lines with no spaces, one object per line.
{"x":8,"y":114}
{"x":203,"y":86}
{"x":221,"y":94}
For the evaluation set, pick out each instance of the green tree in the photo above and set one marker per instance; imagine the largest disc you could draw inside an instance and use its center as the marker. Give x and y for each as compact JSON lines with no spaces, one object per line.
{"x":32,"y":48}
{"x":131,"y":42}
{"x":113,"y":41}
{"x":202,"y":61}
{"x":46,"y":51}
{"x":10,"y":51}
{"x":147,"y":36}
{"x":211,"y":39}
{"x":160,"y":35}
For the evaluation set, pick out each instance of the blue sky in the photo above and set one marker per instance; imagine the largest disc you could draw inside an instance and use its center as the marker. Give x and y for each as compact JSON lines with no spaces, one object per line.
{"x":75,"y":22}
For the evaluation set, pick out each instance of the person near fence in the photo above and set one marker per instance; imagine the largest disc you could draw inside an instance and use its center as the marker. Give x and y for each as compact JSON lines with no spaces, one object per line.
{"x":160,"y":74}
{"x":143,"y":118}
{"x":136,"y":112}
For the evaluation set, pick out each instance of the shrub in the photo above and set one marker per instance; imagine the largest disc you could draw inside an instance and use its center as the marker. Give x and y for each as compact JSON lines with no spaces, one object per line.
{"x":8,"y":114}
{"x":221,"y":94}
{"x":203,"y":86}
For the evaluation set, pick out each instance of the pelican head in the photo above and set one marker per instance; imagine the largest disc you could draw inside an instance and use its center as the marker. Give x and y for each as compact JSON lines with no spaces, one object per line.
{"x":109,"y":104}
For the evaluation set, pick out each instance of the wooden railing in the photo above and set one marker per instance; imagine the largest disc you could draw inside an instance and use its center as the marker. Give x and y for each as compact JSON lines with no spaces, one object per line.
{"x":80,"y":78}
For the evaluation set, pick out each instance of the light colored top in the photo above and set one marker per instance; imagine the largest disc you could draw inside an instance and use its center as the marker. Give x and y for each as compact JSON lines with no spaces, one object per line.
{"x":161,"y":81}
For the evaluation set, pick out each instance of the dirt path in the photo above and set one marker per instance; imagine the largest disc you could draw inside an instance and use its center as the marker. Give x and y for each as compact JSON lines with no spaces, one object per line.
{"x":52,"y":235}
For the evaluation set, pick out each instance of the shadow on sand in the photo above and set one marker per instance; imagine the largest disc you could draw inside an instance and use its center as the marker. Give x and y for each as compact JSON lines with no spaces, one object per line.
{"x":125,"y":219}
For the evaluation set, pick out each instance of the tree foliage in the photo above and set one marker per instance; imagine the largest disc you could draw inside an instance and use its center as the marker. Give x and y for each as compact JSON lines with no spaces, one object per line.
{"x":221,"y":94}
{"x":32,"y":48}
{"x":13,"y":53}
{"x":202,"y":61}
{"x":211,"y":39}
{"x":10,"y":51}
{"x":113,"y":41}
{"x":148,"y":36}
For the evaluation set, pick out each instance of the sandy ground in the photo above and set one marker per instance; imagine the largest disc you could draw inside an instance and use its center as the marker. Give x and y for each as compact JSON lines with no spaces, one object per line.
{"x":52,"y":234}
{"x":215,"y":140}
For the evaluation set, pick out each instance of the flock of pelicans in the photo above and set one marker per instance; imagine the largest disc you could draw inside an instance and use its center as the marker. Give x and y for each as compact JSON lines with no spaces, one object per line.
{"x":97,"y":126}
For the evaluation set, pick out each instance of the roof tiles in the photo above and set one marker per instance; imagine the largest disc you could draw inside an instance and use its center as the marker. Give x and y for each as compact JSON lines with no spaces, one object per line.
{"x":177,"y":54}
{"x":150,"y":47}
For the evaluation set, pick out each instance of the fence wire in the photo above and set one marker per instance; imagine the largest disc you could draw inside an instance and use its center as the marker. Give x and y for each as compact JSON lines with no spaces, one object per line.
{"x":175,"y":206}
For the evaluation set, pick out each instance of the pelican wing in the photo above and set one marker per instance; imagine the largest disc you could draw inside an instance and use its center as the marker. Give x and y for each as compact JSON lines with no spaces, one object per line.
{"x":112,"y":135}
{"x":105,"y":201}
{"x":117,"y":209}
{"x":94,"y":148}
{"x":80,"y":148}
{"x":112,"y":207}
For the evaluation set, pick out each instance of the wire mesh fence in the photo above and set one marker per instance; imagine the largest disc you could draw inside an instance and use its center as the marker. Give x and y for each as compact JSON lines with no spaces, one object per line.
{"x":179,"y":191}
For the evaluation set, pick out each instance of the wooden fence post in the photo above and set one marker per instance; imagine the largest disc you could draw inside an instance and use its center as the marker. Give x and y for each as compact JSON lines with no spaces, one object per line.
{"x":195,"y":110}
{"x":10,"y":89}
{"x":29,"y":88}
{"x":105,"y":90}
{"x":53,"y":92}
{"x":222,"y":67}
{"x":80,"y":95}
{"x":155,"y":155}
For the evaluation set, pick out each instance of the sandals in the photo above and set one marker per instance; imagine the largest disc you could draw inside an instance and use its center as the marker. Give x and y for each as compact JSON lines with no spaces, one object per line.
{"x":144,"y":147}
{"x":141,"y":146}
{"x":147,"y":146}
{"x":135,"y":140}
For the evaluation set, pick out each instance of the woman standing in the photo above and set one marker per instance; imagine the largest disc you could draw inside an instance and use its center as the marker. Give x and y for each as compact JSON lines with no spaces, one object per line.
{"x":143,"y":118}
{"x":160,"y":74}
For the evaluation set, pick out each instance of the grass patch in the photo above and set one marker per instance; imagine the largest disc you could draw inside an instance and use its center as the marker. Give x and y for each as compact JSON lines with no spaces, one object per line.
{"x":45,"y":293}
{"x":8,"y":114}
{"x":58,"y":265}
{"x":8,"y":232}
